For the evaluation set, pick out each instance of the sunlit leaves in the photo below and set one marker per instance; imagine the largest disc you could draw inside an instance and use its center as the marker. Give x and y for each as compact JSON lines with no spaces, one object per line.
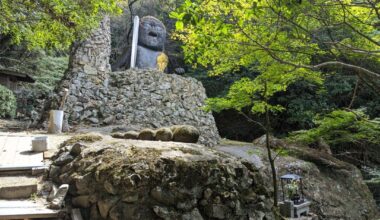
{"x":341,"y":127}
{"x":279,"y":39}
{"x":52,"y":23}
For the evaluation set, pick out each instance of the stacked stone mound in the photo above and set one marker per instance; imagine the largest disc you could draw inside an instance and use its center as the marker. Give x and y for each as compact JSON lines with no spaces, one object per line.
{"x":144,"y":98}
{"x":86,"y":78}
{"x":177,"y":133}
{"x":129,"y":179}
{"x":147,"y":98}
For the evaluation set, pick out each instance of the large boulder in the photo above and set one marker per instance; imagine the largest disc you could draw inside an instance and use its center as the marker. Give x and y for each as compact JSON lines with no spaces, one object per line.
{"x":335,"y":188}
{"x":133,"y":179}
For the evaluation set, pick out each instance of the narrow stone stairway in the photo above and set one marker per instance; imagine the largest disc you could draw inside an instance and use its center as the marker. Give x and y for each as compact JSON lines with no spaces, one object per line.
{"x":22,"y":186}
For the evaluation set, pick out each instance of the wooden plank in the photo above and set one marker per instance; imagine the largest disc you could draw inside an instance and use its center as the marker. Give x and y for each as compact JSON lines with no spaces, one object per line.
{"x":76,"y":215}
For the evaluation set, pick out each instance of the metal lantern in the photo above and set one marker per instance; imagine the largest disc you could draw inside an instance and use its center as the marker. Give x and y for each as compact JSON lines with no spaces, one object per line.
{"x":292,"y":188}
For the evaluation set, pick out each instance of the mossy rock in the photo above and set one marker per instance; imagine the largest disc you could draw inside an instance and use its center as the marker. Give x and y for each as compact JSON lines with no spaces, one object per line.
{"x":185,"y":133}
{"x":147,"y":135}
{"x":86,"y":138}
{"x":117,"y":135}
{"x":164,"y":134}
{"x":131,"y":135}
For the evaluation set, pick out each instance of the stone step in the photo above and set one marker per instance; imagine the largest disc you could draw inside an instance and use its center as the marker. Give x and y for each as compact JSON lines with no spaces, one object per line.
{"x":35,"y":169}
{"x":17,"y":187}
{"x":25,"y":209}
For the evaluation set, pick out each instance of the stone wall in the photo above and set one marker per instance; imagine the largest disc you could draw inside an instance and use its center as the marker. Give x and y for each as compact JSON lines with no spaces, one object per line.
{"x":138,"y":98}
{"x":88,"y":71}
{"x":146,"y":99}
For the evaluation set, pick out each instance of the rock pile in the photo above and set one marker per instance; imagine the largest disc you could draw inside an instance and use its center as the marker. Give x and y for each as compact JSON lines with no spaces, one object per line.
{"x":177,"y":133}
{"x":132,"y":179}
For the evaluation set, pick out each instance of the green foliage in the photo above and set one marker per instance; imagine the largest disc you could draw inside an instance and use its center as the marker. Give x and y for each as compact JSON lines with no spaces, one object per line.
{"x":341,"y":127}
{"x":255,"y":93}
{"x":229,"y":34}
{"x":7,"y":102}
{"x":278,"y":38}
{"x":52,"y":23}
{"x":48,"y":71}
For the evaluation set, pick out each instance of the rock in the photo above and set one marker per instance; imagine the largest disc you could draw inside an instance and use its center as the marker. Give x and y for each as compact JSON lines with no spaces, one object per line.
{"x":52,"y":193}
{"x":149,"y":180}
{"x":110,"y":188}
{"x":104,"y":206}
{"x":117,"y":135}
{"x":82,"y":184}
{"x":187,"y":205}
{"x":164,"y":134}
{"x":216,"y":211}
{"x":81,"y":201}
{"x":109,"y":120}
{"x":185,"y":133}
{"x":130,"y":197}
{"x":179,"y":71}
{"x":93,"y":120}
{"x":193,"y":215}
{"x":76,"y":149}
{"x":165,"y":213}
{"x":131,"y":135}
{"x":63,"y":159}
{"x":54,"y":172}
{"x":162,"y":196}
{"x":146,"y":134}
{"x":94,"y":212}
{"x":207,"y":193}
{"x":59,"y":197}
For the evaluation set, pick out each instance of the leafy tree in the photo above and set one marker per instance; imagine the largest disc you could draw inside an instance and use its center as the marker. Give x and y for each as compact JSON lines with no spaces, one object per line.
{"x":256,"y":94}
{"x":52,"y":23}
{"x":341,"y":127}
{"x":287,"y":35}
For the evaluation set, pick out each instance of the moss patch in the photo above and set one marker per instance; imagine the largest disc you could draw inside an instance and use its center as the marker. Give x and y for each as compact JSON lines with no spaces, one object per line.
{"x":87,"y":138}
{"x":188,"y":151}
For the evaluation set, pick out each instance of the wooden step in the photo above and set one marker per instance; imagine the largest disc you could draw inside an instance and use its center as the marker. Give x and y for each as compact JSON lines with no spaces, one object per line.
{"x":17,"y":187}
{"x":25,"y":209}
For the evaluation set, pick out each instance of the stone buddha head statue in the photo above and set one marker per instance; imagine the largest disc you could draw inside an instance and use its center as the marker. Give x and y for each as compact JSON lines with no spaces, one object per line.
{"x":152,"y":33}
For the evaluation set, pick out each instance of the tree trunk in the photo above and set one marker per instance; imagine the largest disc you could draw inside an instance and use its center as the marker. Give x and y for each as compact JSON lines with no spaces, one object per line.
{"x":270,"y":158}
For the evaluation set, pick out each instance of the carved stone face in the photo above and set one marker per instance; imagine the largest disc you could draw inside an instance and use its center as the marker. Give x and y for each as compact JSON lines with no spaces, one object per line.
{"x":152,"y":33}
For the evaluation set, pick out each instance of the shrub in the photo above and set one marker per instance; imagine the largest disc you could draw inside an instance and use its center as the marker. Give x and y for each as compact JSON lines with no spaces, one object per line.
{"x":7,"y":102}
